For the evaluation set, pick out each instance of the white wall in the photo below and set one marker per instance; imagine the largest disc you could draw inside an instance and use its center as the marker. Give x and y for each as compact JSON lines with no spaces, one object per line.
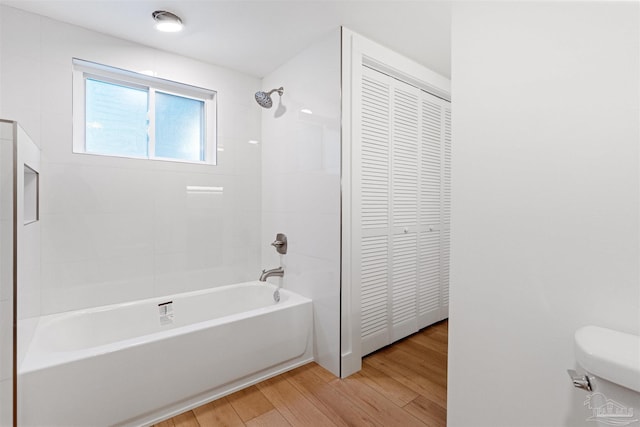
{"x":301,"y":185}
{"x":6,"y":273}
{"x":28,"y":234}
{"x":122,"y":229}
{"x":1,"y":97}
{"x":545,"y":201}
{"x":28,"y":237}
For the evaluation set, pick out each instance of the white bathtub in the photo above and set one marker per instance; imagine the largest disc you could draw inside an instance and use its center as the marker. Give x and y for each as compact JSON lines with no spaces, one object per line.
{"x":131,"y":364}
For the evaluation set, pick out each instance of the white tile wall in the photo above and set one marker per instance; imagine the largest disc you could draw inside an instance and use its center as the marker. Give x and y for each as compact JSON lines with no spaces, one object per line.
{"x":6,"y":390}
{"x":6,"y":273}
{"x":1,"y":97}
{"x":29,"y":290}
{"x":120,"y":229}
{"x":28,"y":237}
{"x":301,"y":185}
{"x":6,"y":211}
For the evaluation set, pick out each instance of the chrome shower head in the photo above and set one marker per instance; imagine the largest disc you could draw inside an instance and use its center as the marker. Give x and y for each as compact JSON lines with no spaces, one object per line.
{"x":264,"y":98}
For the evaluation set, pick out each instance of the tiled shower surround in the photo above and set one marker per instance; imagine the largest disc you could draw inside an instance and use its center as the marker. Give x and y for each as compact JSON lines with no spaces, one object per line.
{"x":119,"y":229}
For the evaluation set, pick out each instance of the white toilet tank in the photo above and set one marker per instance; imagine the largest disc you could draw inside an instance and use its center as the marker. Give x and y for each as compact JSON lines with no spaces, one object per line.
{"x":611,"y":360}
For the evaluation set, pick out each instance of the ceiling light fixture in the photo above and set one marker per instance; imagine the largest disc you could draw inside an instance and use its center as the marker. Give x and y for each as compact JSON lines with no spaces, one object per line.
{"x":167,"y":21}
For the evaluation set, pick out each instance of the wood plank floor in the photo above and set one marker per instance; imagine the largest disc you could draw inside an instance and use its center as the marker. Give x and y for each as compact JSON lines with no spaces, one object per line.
{"x":404,"y":384}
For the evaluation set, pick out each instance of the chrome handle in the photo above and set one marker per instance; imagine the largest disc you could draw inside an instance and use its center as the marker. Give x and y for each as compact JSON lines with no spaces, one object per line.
{"x":280,"y":243}
{"x":580,"y":381}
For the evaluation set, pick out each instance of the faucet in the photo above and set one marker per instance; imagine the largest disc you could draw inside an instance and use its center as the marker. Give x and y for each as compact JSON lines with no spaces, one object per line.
{"x":278,"y":272}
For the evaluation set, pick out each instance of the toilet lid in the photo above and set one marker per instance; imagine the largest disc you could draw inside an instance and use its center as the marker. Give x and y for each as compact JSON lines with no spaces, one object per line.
{"x":609,"y":354}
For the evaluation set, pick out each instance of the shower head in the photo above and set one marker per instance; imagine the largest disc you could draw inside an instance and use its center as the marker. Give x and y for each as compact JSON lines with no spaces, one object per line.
{"x":264,"y":98}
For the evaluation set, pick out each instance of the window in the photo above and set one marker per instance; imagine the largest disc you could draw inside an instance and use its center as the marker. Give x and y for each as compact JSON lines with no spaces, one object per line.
{"x":127,"y":114}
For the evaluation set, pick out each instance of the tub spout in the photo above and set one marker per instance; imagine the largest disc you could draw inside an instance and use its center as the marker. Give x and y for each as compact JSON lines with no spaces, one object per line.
{"x":278,"y":272}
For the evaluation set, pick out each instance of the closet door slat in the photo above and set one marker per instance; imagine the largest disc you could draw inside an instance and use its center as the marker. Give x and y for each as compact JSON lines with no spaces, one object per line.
{"x":405,"y":127}
{"x":375,"y":153}
{"x":430,"y":164}
{"x":403,"y":285}
{"x":446,"y":211}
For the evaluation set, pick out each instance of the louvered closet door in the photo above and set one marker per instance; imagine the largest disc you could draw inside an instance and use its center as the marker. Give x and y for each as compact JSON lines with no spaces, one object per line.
{"x":371,"y":180}
{"x":430,"y":271}
{"x":405,"y":131}
{"x":446,"y":211}
{"x":399,"y":227}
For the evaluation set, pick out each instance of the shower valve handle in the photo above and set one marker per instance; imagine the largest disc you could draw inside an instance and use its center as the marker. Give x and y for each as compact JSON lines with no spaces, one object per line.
{"x":280,"y":243}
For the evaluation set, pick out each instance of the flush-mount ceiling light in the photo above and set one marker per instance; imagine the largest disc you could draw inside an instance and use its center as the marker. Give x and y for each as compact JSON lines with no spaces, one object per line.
{"x":167,"y":21}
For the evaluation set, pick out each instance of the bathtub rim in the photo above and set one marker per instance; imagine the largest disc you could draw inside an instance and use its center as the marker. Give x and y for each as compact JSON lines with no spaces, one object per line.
{"x":38,"y":357}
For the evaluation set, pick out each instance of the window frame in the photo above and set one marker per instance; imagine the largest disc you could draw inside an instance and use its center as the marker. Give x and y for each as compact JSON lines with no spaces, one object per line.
{"x":83,"y":70}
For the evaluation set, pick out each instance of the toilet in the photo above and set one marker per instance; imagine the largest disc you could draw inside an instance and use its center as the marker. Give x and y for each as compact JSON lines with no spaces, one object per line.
{"x":610,"y":361}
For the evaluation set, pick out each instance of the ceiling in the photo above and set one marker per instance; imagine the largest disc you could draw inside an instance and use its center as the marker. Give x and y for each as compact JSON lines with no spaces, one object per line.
{"x":255,"y":37}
